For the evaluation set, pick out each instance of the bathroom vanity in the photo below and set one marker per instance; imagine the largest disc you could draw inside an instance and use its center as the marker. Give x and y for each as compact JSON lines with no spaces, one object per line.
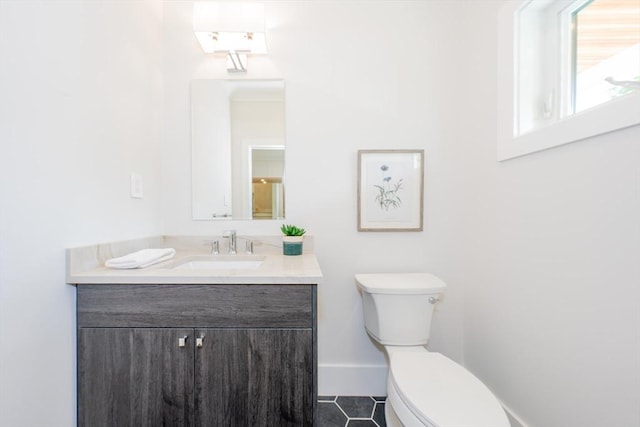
{"x":174,"y":347}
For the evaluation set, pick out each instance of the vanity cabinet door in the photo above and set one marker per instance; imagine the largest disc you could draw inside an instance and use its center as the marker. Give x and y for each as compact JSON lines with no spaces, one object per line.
{"x":254,"y":377}
{"x":135,"y":377}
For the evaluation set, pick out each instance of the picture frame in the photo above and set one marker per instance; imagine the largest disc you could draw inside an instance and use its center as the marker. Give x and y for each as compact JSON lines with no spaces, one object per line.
{"x":390,"y":190}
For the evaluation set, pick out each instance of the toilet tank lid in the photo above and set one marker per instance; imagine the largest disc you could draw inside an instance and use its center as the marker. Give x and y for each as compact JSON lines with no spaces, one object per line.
{"x":400,"y":283}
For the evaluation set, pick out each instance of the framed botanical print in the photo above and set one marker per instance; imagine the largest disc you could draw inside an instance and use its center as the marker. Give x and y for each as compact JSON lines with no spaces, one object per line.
{"x":390,"y":190}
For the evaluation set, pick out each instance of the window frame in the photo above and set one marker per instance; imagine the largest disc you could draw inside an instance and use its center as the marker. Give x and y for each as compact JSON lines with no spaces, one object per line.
{"x":564,"y":127}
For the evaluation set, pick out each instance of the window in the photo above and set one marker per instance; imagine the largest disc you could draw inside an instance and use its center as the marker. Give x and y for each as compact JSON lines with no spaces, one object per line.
{"x":605,"y":60}
{"x":569,"y":69}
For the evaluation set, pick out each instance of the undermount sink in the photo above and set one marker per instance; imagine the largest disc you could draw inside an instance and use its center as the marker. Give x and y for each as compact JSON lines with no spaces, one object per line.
{"x":220,"y":262}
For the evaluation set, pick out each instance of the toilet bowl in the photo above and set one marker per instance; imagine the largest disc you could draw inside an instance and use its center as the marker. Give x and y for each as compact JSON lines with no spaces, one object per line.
{"x":423,"y":388}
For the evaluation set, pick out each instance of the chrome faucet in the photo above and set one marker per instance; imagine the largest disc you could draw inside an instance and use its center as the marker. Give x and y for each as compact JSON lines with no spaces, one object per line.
{"x":231,"y":235}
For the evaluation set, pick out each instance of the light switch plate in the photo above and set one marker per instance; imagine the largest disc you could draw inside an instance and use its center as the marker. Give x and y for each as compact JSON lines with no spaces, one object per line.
{"x":136,"y":186}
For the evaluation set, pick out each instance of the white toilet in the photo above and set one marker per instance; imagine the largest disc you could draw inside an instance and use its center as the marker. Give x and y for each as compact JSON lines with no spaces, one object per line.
{"x":423,"y":388}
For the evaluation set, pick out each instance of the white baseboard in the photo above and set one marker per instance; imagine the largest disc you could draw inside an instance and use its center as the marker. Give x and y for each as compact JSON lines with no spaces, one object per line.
{"x":352,"y":380}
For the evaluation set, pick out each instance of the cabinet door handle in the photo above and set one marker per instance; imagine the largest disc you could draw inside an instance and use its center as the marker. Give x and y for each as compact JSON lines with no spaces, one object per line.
{"x":200,"y":341}
{"x":182,"y":341}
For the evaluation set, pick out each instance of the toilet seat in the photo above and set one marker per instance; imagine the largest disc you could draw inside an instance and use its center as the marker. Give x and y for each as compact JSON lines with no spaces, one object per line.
{"x":428,"y":389}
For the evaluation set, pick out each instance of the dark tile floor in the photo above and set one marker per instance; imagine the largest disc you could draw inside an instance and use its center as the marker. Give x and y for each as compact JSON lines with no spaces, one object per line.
{"x":351,"y":411}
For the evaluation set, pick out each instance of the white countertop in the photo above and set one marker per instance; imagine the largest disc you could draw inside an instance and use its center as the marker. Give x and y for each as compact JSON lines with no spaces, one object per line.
{"x":85,"y":265}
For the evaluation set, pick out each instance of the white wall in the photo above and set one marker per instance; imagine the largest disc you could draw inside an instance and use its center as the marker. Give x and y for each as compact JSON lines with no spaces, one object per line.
{"x":358,"y":75}
{"x":80,"y":109}
{"x":552,"y":296}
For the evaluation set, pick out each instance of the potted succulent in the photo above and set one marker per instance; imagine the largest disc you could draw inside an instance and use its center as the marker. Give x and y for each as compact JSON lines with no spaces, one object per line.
{"x":292,"y":239}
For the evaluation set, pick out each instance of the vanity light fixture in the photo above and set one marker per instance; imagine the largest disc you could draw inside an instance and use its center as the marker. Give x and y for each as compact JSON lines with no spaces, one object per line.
{"x":233,"y":28}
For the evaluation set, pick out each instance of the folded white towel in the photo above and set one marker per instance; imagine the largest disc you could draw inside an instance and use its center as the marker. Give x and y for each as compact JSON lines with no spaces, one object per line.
{"x":141,"y":259}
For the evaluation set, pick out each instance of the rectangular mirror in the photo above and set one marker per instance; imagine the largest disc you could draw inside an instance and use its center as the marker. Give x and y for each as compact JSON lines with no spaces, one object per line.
{"x":237,"y":149}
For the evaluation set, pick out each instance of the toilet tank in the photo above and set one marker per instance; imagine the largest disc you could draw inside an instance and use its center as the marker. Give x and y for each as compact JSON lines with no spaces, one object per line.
{"x":398,"y":306}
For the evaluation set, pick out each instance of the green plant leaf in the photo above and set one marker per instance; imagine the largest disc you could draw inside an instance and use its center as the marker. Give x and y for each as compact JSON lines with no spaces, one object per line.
{"x":292,"y":230}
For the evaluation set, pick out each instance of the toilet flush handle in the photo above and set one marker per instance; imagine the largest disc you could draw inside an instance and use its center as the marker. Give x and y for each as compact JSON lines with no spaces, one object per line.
{"x":434,"y":300}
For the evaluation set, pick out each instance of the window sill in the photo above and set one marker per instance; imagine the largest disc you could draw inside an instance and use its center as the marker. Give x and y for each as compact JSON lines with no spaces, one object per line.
{"x":616,"y":114}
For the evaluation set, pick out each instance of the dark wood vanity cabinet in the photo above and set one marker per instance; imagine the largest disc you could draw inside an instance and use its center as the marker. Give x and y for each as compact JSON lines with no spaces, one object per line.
{"x":197,"y":355}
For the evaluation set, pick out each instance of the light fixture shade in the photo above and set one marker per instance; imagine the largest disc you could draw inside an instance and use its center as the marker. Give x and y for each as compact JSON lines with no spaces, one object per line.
{"x":230,"y":26}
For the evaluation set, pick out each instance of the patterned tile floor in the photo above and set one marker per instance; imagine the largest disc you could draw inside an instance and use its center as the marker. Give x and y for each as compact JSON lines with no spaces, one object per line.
{"x":351,"y":411}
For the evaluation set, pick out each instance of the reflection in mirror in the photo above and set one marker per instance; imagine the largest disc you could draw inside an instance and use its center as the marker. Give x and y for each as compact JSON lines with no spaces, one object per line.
{"x":237,"y":138}
{"x":267,"y":170}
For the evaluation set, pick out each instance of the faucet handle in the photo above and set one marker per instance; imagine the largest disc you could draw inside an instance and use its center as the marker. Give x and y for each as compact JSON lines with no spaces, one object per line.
{"x":214,"y":246}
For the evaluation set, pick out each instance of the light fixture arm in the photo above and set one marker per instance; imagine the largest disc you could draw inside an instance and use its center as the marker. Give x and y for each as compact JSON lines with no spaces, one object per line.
{"x":236,"y":62}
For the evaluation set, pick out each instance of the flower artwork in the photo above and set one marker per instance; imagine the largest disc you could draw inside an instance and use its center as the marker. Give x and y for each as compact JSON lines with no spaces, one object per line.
{"x":390,"y":190}
{"x":388,"y":196}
